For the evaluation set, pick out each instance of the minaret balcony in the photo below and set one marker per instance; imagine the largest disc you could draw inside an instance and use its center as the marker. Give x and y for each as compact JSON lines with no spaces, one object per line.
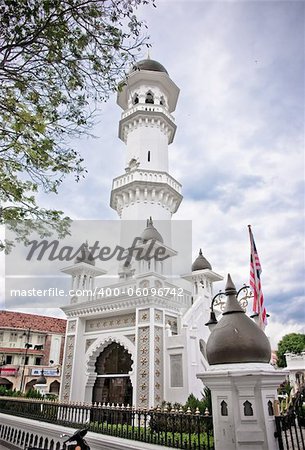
{"x":146,"y":176}
{"x":147,"y":115}
{"x":143,"y":187}
{"x":148,"y":108}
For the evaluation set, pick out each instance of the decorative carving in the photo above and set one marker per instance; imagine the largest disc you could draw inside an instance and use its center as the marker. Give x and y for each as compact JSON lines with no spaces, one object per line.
{"x":67,"y":372}
{"x":158,"y":284}
{"x":88,"y":343}
{"x":143,"y":367}
{"x":158,"y":316}
{"x":131,"y":337}
{"x":100,"y":344}
{"x":71,"y":326}
{"x":159,"y":378}
{"x":125,"y":320}
{"x":144,"y":284}
{"x":144,"y":315}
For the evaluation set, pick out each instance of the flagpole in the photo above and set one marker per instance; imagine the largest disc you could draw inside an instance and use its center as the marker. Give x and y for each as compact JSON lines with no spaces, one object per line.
{"x":255,"y":282}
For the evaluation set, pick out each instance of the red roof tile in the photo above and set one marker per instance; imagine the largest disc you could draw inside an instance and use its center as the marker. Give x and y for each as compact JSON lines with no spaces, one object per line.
{"x":22,"y":321}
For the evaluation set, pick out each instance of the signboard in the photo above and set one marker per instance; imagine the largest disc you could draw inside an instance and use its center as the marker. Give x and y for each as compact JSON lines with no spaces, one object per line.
{"x":8,"y":372}
{"x":46,"y":372}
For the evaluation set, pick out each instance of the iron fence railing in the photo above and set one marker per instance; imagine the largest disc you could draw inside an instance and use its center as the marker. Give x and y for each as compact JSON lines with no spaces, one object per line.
{"x":290,"y":432}
{"x":178,"y":429}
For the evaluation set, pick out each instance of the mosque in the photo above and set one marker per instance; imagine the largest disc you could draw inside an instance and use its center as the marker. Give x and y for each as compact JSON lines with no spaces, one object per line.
{"x":146,"y":343}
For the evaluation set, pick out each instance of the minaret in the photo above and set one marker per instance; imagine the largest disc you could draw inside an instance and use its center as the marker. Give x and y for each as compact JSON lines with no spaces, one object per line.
{"x":83,"y":273}
{"x":147,"y":127}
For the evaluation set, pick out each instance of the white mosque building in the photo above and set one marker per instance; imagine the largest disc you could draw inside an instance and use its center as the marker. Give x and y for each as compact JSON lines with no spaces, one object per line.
{"x":130,"y":348}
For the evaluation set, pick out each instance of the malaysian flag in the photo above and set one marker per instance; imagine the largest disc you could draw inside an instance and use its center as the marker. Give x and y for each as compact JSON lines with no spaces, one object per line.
{"x":255,"y":282}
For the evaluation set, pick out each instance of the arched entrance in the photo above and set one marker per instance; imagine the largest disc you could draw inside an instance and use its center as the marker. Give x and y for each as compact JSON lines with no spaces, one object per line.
{"x":30,"y":385}
{"x":6,"y":383}
{"x":112,"y":384}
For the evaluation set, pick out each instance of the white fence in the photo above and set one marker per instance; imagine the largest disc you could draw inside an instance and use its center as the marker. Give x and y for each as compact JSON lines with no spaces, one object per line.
{"x":18,"y":431}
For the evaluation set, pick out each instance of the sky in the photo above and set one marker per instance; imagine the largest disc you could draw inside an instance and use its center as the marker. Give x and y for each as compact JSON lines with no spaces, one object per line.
{"x":239,"y":145}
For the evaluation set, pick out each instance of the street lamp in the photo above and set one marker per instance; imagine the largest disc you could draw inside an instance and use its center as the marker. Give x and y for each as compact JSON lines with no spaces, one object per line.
{"x":217,"y":300}
{"x":27,"y":345}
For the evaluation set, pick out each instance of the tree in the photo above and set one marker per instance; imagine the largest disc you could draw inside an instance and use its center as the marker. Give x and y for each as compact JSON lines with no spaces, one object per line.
{"x":293,"y":342}
{"x":58,"y":59}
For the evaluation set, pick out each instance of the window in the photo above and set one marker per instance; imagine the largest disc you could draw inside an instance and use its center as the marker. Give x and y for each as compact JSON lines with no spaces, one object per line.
{"x":248,"y":410}
{"x":270,"y":408}
{"x":9,"y":359}
{"x":162,"y":102}
{"x":224,"y":408}
{"x":176,"y":370}
{"x":40,"y":338}
{"x":26,"y":362}
{"x":148,"y":156}
{"x":1,"y":336}
{"x":149,"y":98}
{"x":13,"y":337}
{"x":135,"y":99}
{"x":37,"y":361}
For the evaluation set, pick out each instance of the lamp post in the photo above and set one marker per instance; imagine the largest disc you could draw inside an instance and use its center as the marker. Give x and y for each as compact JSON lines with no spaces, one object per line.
{"x":27,"y":346}
{"x":216,"y":300}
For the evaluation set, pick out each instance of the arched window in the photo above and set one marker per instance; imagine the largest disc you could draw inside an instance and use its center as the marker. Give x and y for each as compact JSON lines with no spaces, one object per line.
{"x":224,"y":408}
{"x":135,"y":99}
{"x":149,"y":97}
{"x":270,"y":408}
{"x":248,"y":410}
{"x":162,"y":101}
{"x":148,"y":156}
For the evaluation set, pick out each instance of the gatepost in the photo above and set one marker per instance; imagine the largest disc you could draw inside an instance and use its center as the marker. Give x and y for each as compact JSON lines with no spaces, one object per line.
{"x":243,"y":383}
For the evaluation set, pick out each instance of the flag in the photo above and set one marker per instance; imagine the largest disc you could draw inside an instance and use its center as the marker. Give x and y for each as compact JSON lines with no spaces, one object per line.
{"x":255,"y":282}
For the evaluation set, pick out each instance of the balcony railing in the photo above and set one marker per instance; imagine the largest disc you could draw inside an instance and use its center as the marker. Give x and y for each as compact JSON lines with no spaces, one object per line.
{"x":178,"y":429}
{"x":148,"y":108}
{"x":147,"y":176}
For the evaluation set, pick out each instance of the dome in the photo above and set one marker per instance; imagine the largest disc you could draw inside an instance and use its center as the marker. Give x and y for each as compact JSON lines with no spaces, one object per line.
{"x":201,"y":263}
{"x":85,"y":255}
{"x":236,"y":338}
{"x":151,"y":233}
{"x":149,"y":64}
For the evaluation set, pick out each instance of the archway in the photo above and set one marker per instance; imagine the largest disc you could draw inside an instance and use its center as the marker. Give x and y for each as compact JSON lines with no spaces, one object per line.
{"x":54,"y":387}
{"x":30,"y":385}
{"x":112,"y":384}
{"x":6,"y":383}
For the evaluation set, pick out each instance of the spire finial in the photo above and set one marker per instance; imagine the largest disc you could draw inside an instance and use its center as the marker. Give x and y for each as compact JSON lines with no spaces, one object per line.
{"x":200,"y":252}
{"x":148,"y":54}
{"x":230,"y":286}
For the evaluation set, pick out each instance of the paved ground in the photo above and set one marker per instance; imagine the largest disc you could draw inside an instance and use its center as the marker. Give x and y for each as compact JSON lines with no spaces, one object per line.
{"x":5,"y":445}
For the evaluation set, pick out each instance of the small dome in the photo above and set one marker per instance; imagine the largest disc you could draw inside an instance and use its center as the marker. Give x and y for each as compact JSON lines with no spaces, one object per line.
{"x":85,"y":255}
{"x":201,"y":263}
{"x":236,"y":338}
{"x":151,"y":233}
{"x":149,"y":64}
{"x":42,"y":379}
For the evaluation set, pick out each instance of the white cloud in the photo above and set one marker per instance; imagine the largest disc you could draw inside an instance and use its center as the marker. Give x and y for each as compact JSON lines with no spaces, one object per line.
{"x":239,"y":145}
